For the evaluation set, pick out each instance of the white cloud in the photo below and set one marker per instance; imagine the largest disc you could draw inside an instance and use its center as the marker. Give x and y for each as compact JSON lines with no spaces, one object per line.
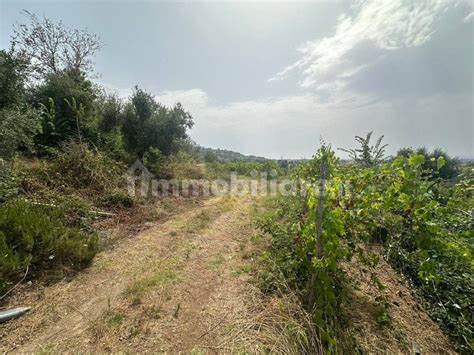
{"x":193,"y":100}
{"x":469,"y":17}
{"x":291,"y":126}
{"x":377,"y":28}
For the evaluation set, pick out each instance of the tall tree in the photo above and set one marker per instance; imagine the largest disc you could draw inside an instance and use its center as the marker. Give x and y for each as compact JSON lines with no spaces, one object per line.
{"x":148,"y":124}
{"x":70,"y":108}
{"x":450,"y":169}
{"x":13,"y":74}
{"x":18,"y":122}
{"x":53,"y":47}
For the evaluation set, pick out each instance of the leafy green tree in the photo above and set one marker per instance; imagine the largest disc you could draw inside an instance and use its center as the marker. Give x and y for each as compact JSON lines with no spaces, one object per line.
{"x":450,"y":169}
{"x":367,"y":155}
{"x":17,"y":129}
{"x":210,"y":156}
{"x":13,"y":74}
{"x":19,"y":123}
{"x":70,"y":108}
{"x":110,"y":111}
{"x":148,"y":124}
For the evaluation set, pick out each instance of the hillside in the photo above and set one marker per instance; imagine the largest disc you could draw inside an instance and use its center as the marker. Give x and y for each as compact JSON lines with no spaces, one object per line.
{"x":224,"y":155}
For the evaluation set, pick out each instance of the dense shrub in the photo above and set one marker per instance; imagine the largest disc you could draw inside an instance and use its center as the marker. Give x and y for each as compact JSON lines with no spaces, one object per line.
{"x":78,"y":166}
{"x":8,"y":186}
{"x":36,"y":236}
{"x":183,"y":166}
{"x":449,"y":170}
{"x":427,"y":238}
{"x":117,"y":199}
{"x":155,"y":161}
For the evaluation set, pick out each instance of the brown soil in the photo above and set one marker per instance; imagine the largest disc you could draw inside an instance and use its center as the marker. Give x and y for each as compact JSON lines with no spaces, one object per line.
{"x":180,"y":286}
{"x":184,"y":285}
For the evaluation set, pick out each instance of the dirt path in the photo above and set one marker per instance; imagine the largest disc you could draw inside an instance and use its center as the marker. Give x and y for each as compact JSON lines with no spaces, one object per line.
{"x":177,"y":287}
{"x":183,"y":286}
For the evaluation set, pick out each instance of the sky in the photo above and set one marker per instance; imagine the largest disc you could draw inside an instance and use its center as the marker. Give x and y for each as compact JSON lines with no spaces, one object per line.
{"x":275,"y":78}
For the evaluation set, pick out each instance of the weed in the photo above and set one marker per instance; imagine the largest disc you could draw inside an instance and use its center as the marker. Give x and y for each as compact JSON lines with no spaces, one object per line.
{"x":216,"y":261}
{"x":242,"y":269}
{"x":114,"y":319}
{"x":142,"y":285}
{"x":46,"y":349}
{"x":382,"y":312}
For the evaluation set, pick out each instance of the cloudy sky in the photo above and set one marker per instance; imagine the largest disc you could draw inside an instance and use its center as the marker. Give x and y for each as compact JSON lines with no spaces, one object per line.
{"x":272,"y":78}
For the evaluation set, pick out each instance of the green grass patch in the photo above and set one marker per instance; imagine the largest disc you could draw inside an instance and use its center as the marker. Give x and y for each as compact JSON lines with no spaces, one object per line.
{"x":216,"y":261}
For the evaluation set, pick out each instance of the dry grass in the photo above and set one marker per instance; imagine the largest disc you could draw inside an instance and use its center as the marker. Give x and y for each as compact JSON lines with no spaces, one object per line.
{"x":410,"y":329}
{"x":171,"y":288}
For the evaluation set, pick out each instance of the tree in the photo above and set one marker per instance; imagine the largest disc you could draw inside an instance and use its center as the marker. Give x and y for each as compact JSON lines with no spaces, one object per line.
{"x":210,"y":157}
{"x":52,"y":47}
{"x":449,"y":170}
{"x":147,"y":124}
{"x":367,"y":155}
{"x":110,"y":108}
{"x":70,"y":108}
{"x":13,"y":73}
{"x":17,"y":129}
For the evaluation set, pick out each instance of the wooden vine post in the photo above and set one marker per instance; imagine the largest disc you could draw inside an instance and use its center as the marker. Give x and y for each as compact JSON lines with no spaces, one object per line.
{"x":319,"y":232}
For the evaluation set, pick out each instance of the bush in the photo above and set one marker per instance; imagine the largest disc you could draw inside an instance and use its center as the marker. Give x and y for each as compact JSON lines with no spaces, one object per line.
{"x":183,"y":166}
{"x":8,"y":187}
{"x":117,"y":198}
{"x":79,"y":167}
{"x":154,"y":161}
{"x":36,"y":236}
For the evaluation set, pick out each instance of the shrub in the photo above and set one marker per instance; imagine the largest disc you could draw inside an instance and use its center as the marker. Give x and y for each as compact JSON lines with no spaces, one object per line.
{"x":79,"y":167}
{"x":8,"y":187}
{"x":154,"y":161}
{"x":36,"y":236}
{"x":117,"y":198}
{"x":184,"y":166}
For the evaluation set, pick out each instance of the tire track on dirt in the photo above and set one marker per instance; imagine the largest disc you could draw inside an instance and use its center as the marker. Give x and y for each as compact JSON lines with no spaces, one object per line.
{"x":169,"y":288}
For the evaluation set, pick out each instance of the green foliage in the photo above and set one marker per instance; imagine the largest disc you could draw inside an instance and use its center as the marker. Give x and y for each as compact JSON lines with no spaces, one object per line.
{"x":210,"y":156}
{"x":13,"y":74}
{"x":245,"y":168}
{"x":225,"y":156}
{"x":17,"y":129}
{"x":183,"y":166}
{"x":69,"y":108}
{"x":36,"y":236}
{"x":155,"y":161}
{"x":77,"y":166}
{"x":117,"y":199}
{"x":148,"y":124}
{"x":286,"y":256}
{"x":8,"y":185}
{"x":367,"y":155}
{"x":110,"y":109}
{"x":437,"y":164}
{"x":428,"y":240}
